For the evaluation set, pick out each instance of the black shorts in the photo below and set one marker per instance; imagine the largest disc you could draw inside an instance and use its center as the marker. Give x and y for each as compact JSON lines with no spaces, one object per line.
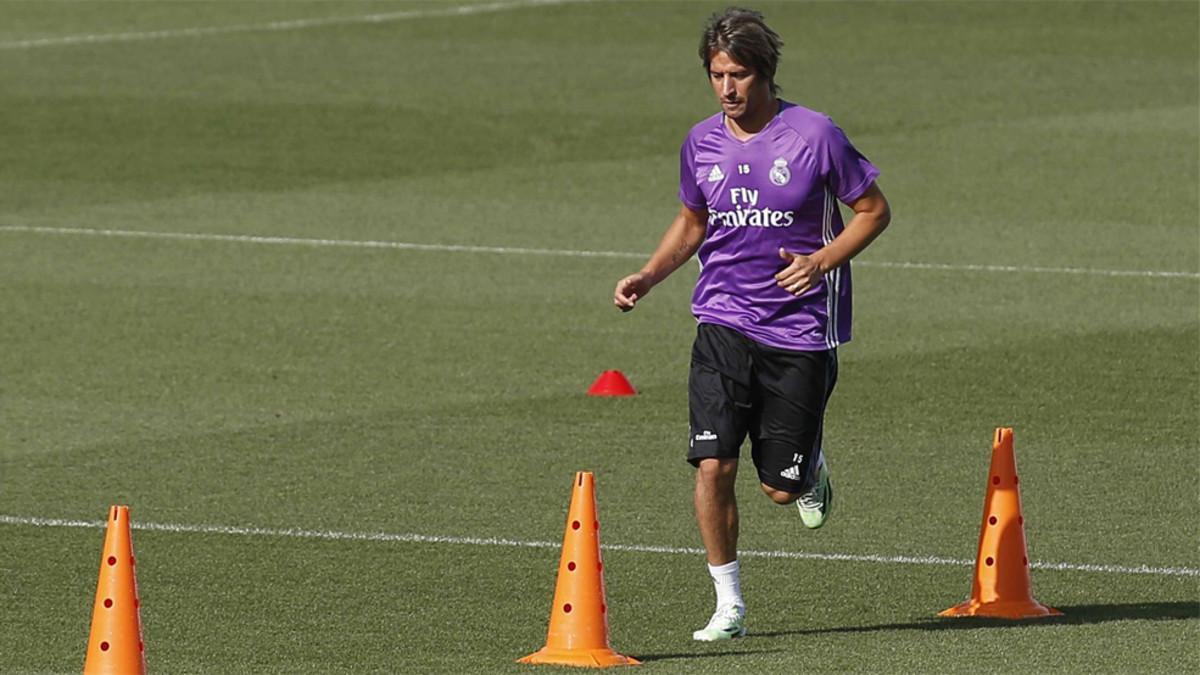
{"x":738,"y":386}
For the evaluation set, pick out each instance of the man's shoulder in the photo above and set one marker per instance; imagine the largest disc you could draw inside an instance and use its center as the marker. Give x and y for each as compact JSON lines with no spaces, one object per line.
{"x":813,"y":125}
{"x":705,"y":127}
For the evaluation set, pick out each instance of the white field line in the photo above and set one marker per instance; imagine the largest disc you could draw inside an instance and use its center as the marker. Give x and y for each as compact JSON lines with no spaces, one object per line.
{"x":285,"y":25}
{"x":1160,"y":274}
{"x":299,"y":241}
{"x":510,"y":250}
{"x":408,"y":538}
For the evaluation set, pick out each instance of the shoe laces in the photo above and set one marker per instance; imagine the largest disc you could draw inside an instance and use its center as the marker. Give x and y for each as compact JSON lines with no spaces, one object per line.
{"x":725,"y":617}
{"x":813,"y":498}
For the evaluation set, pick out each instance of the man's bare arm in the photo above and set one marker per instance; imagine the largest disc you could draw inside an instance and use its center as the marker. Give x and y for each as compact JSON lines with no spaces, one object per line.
{"x":679,"y":242}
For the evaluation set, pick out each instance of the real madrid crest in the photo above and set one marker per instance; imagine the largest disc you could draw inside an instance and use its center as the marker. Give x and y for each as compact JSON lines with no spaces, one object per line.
{"x":779,"y":173}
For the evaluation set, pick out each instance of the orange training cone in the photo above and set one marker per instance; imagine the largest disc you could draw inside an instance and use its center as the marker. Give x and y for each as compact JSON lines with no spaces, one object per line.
{"x":611,"y":383}
{"x":115,"y":645}
{"x":1002,"y":586}
{"x":578,"y":633}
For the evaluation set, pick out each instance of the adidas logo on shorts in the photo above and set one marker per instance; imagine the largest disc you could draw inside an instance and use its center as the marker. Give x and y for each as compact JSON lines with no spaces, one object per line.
{"x":791,"y":473}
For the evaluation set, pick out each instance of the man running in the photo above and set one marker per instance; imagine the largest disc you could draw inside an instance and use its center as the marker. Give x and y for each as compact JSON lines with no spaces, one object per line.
{"x":759,"y":185}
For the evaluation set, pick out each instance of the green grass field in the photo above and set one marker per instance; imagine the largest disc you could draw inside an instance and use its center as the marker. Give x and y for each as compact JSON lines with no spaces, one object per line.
{"x":1042,"y":272}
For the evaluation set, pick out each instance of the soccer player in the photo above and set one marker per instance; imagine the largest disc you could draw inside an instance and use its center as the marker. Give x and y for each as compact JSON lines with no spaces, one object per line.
{"x":758,"y":183}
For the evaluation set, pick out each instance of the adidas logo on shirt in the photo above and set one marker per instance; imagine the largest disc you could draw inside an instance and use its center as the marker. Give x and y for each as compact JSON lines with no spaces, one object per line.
{"x":715,"y":175}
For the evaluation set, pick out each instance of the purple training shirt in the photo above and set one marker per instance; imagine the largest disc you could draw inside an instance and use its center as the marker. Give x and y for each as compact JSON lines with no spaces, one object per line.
{"x":778,"y":189}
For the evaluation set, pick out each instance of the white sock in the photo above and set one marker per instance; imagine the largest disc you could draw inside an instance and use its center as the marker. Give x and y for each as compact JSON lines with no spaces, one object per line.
{"x":726,"y":580}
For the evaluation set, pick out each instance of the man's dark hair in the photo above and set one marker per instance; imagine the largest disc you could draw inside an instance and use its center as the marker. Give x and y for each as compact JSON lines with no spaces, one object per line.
{"x":744,"y":35}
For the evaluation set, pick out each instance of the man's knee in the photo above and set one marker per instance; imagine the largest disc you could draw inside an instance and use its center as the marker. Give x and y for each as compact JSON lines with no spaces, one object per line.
{"x":779,"y":496}
{"x":717,"y":471}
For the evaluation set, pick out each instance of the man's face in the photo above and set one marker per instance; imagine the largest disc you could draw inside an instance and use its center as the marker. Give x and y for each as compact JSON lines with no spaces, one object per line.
{"x":740,"y":90}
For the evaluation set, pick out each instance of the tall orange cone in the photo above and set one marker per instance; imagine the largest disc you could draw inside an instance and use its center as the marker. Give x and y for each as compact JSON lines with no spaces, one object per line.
{"x":1002,"y":587}
{"x":115,"y":646}
{"x":578,"y":634}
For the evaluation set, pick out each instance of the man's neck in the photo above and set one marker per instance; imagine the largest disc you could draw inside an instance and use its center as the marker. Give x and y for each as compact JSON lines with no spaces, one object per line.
{"x":748,"y":126}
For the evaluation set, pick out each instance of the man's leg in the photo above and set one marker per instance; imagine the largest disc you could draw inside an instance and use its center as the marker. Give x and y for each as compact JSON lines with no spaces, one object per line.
{"x":716,"y":513}
{"x":718,"y":406}
{"x":780,"y":497}
{"x":716,"y":508}
{"x":787,"y":431}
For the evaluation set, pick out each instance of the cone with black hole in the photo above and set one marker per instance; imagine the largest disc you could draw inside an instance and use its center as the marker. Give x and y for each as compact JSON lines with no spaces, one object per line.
{"x":1002,"y":587}
{"x":578,"y":634}
{"x":115,"y":644}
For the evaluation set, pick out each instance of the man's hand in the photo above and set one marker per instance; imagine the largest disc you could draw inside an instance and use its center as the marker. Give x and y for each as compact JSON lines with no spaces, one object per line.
{"x":801,"y":274}
{"x":679,"y":243}
{"x":629,"y":290}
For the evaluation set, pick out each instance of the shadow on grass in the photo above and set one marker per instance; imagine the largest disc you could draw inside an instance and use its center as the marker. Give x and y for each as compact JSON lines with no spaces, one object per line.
{"x":1072,"y":616}
{"x":647,"y":658}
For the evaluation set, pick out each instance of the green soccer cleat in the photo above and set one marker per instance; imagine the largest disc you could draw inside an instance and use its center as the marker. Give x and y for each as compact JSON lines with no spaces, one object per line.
{"x":726,"y":623}
{"x":816,"y":503}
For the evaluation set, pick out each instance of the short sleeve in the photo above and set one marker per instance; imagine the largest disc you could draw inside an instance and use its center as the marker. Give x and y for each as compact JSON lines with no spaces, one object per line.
{"x":849,"y":172}
{"x":689,"y":190}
